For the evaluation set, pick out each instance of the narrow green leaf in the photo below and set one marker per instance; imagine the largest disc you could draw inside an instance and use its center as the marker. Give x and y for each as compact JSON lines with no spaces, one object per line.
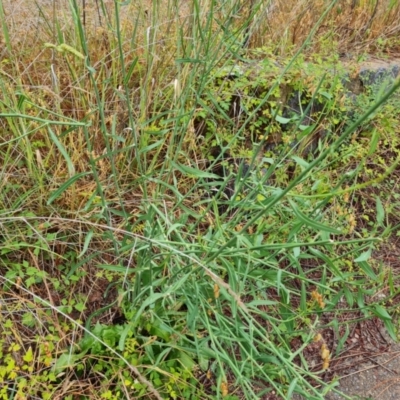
{"x":303,"y":297}
{"x":342,"y":340}
{"x":172,"y":188}
{"x":152,"y":299}
{"x":119,"y":213}
{"x":360,"y":299}
{"x":65,"y":186}
{"x":391,"y":330}
{"x":329,"y":263}
{"x":306,"y":130}
{"x":189,"y":61}
{"x":70,"y":165}
{"x":266,"y":359}
{"x":21,"y":99}
{"x":349,"y":296}
{"x":301,"y":162}
{"x":194,"y":171}
{"x":117,"y":268}
{"x":88,"y":238}
{"x":256,"y":303}
{"x":390,"y":281}
{"x":373,"y":142}
{"x":380,"y":211}
{"x":367,"y":269}
{"x":129,"y":72}
{"x":312,"y":223}
{"x":291,"y":388}
{"x":75,"y":265}
{"x":174,"y":228}
{"x":122,"y":338}
{"x":150,"y":147}
{"x":327,"y":388}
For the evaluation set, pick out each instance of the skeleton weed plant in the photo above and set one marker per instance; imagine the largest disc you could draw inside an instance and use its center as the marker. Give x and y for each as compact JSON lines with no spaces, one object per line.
{"x":131,"y":266}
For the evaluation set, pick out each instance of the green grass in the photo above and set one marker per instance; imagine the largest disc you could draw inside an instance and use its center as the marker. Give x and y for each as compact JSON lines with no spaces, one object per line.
{"x":130,"y":266}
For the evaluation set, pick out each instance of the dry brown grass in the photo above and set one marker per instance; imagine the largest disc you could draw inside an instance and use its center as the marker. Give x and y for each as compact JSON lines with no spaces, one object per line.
{"x":353,"y":25}
{"x":350,"y":27}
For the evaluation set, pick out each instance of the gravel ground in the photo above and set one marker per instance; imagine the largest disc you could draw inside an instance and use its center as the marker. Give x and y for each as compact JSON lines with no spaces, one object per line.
{"x":376,"y":378}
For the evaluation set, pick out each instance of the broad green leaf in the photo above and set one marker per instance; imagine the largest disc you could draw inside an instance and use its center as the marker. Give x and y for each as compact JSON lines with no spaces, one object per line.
{"x":381,"y":312}
{"x":186,"y":361}
{"x":282,"y":327}
{"x":306,"y":127}
{"x":267,"y":160}
{"x":326,"y":94}
{"x":203,"y":362}
{"x":366,"y":255}
{"x":65,"y":361}
{"x":282,"y":120}
{"x":28,"y":357}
